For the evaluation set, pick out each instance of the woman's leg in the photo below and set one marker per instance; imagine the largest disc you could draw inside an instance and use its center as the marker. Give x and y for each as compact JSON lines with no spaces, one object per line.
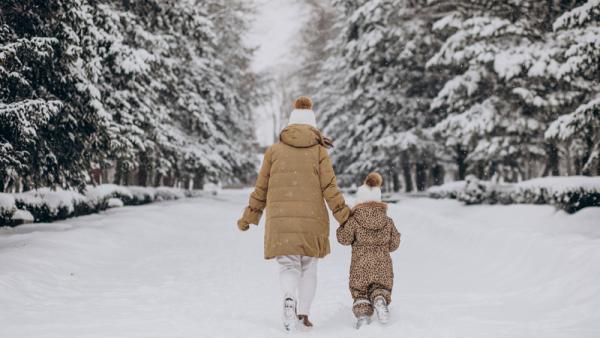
{"x":308,"y":284}
{"x":290,"y":270}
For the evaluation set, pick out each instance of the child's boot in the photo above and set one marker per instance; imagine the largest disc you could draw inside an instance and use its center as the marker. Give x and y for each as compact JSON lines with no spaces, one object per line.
{"x":362,"y":321}
{"x":381,"y":308}
{"x":362,"y":310}
{"x":289,"y":314}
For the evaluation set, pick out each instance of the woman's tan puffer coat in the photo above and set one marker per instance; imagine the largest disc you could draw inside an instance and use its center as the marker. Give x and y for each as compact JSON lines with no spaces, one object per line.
{"x":295,"y":177}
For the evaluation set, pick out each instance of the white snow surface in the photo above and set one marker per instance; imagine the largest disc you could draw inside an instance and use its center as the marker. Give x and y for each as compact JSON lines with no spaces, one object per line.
{"x":183,"y":269}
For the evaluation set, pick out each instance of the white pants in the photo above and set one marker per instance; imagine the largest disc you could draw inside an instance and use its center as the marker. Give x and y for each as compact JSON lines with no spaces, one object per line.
{"x":298,"y":277}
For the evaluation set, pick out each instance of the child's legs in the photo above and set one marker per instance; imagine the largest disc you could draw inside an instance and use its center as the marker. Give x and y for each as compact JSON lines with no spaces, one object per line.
{"x":376,"y":290}
{"x":308,"y":284}
{"x":362,"y":305}
{"x":290,"y":270}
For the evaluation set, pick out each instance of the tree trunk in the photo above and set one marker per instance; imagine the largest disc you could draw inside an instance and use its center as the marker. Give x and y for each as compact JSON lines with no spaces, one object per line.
{"x":127,"y":177}
{"x":157,"y":179}
{"x":395,"y":180}
{"x":406,"y":172}
{"x":119,"y":173}
{"x":104,"y":176}
{"x":479,"y":170}
{"x":421,"y":176}
{"x":461,"y":156}
{"x":490,"y":170}
{"x":437,"y":174}
{"x":142,"y":175}
{"x":198,"y":181}
{"x":552,"y":160}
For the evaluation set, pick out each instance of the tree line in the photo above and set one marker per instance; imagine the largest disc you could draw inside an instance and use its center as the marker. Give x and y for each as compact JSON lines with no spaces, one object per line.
{"x":423,"y":90}
{"x":159,"y":92}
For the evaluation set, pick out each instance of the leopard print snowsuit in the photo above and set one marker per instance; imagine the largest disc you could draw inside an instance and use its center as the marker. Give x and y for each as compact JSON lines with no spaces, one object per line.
{"x":373,"y":236}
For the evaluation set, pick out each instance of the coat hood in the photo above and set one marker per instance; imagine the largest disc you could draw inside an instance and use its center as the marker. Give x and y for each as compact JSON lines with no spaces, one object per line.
{"x":366,"y":213}
{"x":303,"y":136}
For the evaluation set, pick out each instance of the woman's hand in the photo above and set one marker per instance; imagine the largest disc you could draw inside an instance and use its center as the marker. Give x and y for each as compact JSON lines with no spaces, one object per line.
{"x":243,"y":225}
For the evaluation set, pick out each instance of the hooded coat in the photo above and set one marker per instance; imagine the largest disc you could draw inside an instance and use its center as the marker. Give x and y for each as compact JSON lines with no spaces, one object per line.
{"x":373,"y":236}
{"x":295,"y":179}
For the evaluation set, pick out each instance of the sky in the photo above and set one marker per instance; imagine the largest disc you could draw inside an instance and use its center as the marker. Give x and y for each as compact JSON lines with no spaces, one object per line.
{"x":273,"y":32}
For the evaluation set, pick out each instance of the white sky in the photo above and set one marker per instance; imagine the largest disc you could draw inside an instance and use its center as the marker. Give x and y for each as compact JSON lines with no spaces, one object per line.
{"x":274,"y":31}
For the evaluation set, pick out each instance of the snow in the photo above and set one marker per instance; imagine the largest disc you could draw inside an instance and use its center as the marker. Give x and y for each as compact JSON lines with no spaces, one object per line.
{"x":563,"y":183}
{"x":588,"y":12}
{"x":7,"y":202}
{"x":182,"y":269}
{"x":23,"y":215}
{"x":447,"y":190}
{"x":114,"y":203}
{"x":105,"y":191}
{"x":54,"y":200}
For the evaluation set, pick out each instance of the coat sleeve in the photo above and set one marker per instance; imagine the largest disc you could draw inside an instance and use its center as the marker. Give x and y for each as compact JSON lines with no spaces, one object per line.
{"x":345,"y":233}
{"x":331,"y":192}
{"x":395,"y":237}
{"x":258,"y":198}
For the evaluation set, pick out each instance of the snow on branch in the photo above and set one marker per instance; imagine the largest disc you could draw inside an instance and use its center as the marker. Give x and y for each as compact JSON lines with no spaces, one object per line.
{"x":474,"y":40}
{"x":456,"y":90}
{"x":481,"y":118}
{"x":28,"y":115}
{"x":579,"y":16}
{"x":566,"y":126}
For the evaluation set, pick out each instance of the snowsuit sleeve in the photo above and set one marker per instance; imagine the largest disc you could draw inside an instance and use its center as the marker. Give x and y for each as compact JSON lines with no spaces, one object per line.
{"x":345,"y":233}
{"x":395,"y":237}
{"x":332,"y":194}
{"x":258,"y":198}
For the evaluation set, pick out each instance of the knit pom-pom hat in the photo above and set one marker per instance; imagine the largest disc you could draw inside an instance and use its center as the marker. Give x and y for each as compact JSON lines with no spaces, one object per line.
{"x":370,"y":191}
{"x":303,"y":113}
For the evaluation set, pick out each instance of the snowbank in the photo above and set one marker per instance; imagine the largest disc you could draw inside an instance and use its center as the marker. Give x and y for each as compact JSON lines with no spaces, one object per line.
{"x":46,"y":205}
{"x":448,"y":190}
{"x":7,"y":207}
{"x":569,"y":193}
{"x":103,"y":192}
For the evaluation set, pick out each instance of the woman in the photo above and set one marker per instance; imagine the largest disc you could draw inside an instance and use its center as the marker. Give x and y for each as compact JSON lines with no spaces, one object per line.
{"x":295,"y":178}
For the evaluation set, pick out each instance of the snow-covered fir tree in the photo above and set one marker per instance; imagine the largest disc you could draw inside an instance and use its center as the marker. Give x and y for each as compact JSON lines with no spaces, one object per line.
{"x":507,"y":88}
{"x":379,"y":110}
{"x":159,"y":90}
{"x":577,"y":32}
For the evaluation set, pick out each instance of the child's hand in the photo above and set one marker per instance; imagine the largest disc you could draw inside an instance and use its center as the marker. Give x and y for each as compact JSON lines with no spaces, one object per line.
{"x":243,"y":225}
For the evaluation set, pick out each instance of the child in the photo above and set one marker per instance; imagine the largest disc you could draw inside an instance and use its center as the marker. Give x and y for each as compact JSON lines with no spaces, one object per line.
{"x":373,"y":236}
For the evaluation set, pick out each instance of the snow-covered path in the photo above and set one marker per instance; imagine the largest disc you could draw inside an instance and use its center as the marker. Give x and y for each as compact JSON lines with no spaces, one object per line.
{"x":182,"y":269}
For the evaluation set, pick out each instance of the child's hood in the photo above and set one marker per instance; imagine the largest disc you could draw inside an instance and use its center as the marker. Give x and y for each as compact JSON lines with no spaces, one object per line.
{"x":371,"y":215}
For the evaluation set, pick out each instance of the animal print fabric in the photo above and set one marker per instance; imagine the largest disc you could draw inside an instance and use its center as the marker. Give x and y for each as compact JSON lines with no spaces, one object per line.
{"x":373,"y":236}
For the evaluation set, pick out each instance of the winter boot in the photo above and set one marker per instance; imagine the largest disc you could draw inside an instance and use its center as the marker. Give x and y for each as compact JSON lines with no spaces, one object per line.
{"x":381,"y":308}
{"x":289,"y":315}
{"x":304,"y":322}
{"x":362,"y":321}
